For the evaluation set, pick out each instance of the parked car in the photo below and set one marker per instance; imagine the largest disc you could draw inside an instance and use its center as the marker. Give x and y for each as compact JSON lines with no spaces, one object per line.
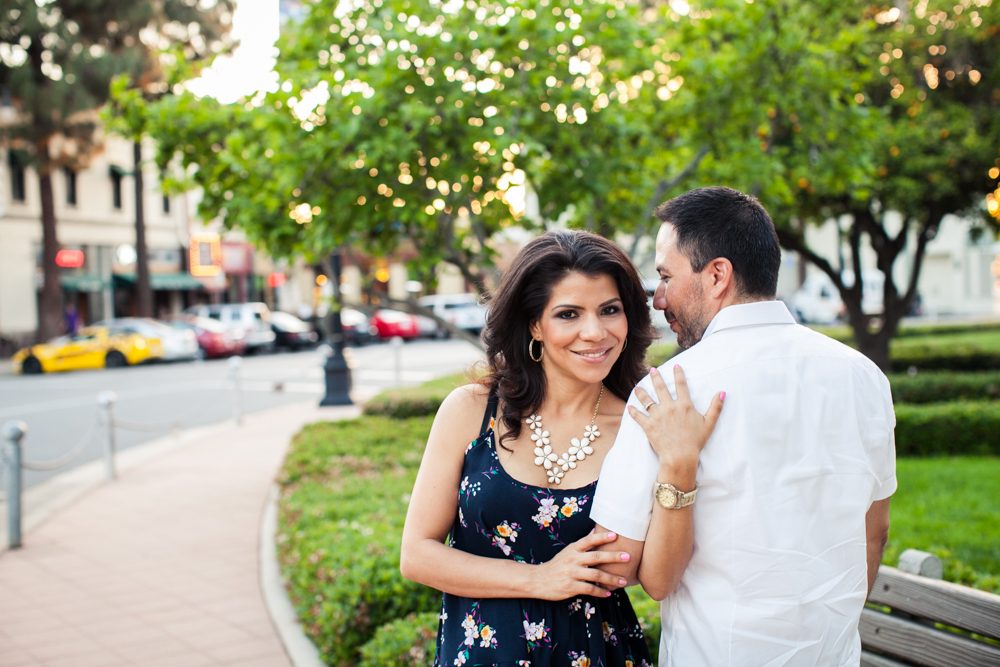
{"x":464,"y":311}
{"x":214,"y":339}
{"x":358,"y":329}
{"x":817,"y":301}
{"x":177,"y":345}
{"x":91,"y":347}
{"x":253,"y":320}
{"x":392,"y":323}
{"x":290,"y":332}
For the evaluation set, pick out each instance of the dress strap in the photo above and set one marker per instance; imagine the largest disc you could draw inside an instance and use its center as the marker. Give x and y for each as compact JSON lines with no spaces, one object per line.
{"x":491,"y":411}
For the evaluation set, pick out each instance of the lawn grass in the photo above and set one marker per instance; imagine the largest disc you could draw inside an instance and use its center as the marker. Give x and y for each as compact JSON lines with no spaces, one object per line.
{"x":948,"y":506}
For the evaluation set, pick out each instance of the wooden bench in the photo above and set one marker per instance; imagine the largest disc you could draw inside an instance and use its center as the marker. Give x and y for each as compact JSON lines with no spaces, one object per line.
{"x":914,"y":619}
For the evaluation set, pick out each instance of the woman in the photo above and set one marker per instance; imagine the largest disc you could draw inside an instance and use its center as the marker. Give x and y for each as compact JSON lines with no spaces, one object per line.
{"x":511,"y":466}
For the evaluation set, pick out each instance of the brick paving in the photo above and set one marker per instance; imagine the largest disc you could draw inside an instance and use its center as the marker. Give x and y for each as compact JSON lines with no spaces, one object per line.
{"x":160,"y":567}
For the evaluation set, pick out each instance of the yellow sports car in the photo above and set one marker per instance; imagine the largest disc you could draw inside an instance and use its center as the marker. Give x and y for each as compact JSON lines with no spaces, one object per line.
{"x":91,"y":347}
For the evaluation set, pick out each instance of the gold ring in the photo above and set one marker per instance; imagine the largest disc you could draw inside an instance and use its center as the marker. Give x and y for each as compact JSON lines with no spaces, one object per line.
{"x":648,"y":405}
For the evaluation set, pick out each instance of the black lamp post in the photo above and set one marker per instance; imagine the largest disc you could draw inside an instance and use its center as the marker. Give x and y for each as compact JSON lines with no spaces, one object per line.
{"x":335,"y":370}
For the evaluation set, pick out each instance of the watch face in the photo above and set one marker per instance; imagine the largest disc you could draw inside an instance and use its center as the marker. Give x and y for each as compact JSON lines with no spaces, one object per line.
{"x":667,"y":498}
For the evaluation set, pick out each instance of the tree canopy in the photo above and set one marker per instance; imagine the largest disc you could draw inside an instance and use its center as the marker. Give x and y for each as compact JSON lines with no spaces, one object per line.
{"x":424,"y":122}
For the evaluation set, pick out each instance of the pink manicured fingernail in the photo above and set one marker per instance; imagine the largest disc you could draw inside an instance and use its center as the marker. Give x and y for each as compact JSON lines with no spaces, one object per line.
{"x":607,"y":594}
{"x":621,"y":582}
{"x":654,"y":371}
{"x":625,"y":557}
{"x":611,"y":536}
{"x":722,"y":396}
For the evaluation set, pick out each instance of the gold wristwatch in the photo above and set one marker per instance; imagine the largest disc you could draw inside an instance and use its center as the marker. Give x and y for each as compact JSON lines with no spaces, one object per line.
{"x":672,"y":498}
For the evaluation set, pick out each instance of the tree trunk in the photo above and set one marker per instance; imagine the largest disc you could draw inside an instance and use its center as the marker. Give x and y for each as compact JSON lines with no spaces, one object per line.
{"x":875,"y":346}
{"x":50,"y":320}
{"x":143,"y":290}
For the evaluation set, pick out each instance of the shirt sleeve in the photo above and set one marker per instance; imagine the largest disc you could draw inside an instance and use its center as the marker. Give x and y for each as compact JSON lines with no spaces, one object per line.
{"x":623,"y":501}
{"x":882,"y":450}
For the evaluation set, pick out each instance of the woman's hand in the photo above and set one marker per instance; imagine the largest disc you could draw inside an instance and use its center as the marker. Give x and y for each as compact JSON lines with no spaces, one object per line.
{"x":676,"y":431}
{"x":574,"y":571}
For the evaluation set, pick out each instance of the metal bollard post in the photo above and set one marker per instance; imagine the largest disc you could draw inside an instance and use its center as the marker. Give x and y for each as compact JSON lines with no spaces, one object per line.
{"x":397,"y":358}
{"x":13,"y":431}
{"x":106,"y":400}
{"x":235,"y":372}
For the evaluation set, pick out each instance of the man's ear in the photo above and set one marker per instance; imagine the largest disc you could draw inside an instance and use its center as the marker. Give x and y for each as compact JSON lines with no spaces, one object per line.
{"x":720,"y":279}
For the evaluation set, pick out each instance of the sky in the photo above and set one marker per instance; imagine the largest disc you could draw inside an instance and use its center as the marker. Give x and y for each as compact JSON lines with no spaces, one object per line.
{"x":255,"y":24}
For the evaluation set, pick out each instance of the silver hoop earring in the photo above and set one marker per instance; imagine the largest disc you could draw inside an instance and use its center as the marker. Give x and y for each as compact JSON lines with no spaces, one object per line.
{"x":541,"y":350}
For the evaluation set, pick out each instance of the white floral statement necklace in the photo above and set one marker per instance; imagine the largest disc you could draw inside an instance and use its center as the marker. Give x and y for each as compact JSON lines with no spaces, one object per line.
{"x":557,"y":465}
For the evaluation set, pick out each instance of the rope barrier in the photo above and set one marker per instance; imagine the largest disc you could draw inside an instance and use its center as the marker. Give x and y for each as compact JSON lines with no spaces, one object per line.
{"x":54,"y":464}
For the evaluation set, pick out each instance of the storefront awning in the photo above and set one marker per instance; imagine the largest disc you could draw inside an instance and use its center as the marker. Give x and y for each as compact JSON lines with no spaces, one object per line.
{"x":165,"y":281}
{"x":82,"y":282}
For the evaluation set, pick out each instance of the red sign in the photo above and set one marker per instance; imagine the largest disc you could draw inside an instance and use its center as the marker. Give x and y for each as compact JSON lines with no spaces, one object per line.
{"x":276,"y":279}
{"x":69,"y":258}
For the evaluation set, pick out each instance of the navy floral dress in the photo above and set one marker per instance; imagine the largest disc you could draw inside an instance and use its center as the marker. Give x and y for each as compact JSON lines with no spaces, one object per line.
{"x":499,"y":517}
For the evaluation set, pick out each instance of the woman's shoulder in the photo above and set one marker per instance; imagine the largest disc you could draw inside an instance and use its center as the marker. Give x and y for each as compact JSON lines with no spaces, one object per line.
{"x":465,"y":406}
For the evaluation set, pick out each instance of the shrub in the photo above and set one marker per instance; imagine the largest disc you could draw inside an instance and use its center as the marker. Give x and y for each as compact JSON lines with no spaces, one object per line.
{"x":658,"y":353}
{"x":958,"y":352}
{"x":417,"y":401}
{"x":345,"y":486}
{"x":405,"y":642}
{"x":968,"y":428}
{"x":942,"y":386}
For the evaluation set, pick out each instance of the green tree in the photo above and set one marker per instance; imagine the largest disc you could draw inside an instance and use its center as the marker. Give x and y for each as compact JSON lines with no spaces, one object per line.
{"x":186,"y":38}
{"x":56,"y":61}
{"x":404,"y":121}
{"x":828,"y":110}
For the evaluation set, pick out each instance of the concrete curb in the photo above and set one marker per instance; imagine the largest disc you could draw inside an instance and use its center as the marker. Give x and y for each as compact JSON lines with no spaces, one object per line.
{"x":301,"y":651}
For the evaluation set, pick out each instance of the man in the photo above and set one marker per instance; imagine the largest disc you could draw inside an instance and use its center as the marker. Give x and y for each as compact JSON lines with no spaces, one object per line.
{"x":770,"y":561}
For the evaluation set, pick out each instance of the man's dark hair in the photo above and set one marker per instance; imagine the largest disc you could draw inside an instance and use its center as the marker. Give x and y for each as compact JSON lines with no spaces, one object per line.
{"x":722,"y":222}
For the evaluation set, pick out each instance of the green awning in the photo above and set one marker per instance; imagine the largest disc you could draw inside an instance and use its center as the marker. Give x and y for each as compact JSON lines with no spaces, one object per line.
{"x":166,"y":281}
{"x":82,"y":282}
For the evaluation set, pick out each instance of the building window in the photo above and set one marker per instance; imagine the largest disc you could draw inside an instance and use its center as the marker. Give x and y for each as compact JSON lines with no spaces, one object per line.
{"x":166,"y":205}
{"x":18,"y":191}
{"x":70,"y":186}
{"x":116,"y":174}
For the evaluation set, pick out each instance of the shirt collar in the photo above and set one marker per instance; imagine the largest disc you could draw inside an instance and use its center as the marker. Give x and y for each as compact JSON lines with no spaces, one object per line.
{"x":748,"y":315}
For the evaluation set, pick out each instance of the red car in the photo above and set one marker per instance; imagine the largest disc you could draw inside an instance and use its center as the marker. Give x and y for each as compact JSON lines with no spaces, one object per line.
{"x":214,"y":339}
{"x":391,"y":323}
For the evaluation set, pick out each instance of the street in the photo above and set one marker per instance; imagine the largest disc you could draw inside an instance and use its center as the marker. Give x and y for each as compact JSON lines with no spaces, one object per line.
{"x":62,"y":412}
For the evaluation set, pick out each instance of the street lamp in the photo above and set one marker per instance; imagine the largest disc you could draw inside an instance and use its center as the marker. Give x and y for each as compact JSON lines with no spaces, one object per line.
{"x":335,"y":371}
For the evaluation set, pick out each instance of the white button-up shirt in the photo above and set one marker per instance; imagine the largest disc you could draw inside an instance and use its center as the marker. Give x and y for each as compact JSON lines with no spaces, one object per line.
{"x":803,"y":447}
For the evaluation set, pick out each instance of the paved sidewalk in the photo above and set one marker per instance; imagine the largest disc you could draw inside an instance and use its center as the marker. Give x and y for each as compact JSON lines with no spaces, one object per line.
{"x":161,"y":567}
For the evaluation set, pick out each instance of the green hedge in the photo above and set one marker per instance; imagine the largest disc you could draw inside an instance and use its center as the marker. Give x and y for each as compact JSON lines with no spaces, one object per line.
{"x":345,"y":488}
{"x":405,"y":642}
{"x":968,"y":428}
{"x":978,"y":351}
{"x":943,"y":386}
{"x":417,"y":401}
{"x":967,"y":351}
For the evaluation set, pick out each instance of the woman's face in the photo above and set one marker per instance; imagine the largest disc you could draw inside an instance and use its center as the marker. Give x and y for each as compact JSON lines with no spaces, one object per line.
{"x":582,"y":328}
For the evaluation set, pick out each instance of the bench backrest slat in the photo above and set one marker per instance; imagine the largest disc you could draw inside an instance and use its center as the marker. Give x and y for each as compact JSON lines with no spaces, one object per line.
{"x":942,"y":601}
{"x":923,"y":645}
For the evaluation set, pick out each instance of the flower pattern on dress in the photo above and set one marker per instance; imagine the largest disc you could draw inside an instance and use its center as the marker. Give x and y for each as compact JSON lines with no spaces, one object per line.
{"x":536,"y":634}
{"x":501,"y":517}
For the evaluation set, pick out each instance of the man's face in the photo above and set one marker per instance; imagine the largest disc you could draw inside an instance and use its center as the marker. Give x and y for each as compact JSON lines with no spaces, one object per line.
{"x":680,"y":293}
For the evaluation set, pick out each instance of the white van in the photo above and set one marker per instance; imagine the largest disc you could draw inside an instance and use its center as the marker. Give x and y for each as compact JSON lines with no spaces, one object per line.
{"x":817,"y":301}
{"x":249,"y":321}
{"x":462,"y":310}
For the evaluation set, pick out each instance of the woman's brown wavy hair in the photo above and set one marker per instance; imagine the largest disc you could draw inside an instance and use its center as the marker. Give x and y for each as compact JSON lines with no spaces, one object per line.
{"x":520,"y":300}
